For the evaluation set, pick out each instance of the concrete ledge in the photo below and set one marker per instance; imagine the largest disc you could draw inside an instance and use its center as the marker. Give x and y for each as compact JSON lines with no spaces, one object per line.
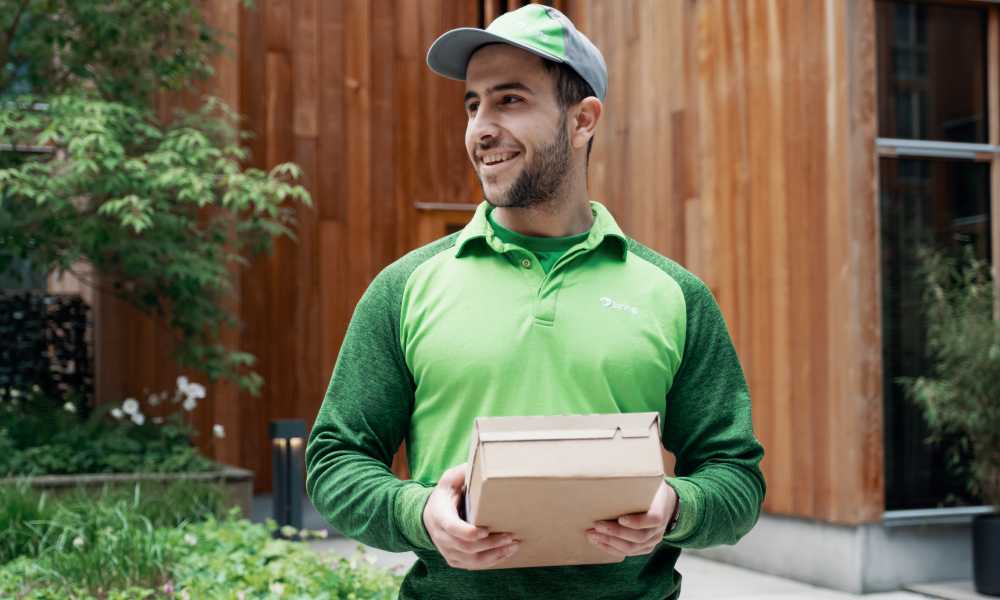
{"x":857,"y":559}
{"x":238,"y":483}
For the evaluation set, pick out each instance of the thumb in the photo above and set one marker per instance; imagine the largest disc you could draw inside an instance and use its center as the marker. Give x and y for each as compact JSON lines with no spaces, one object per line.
{"x":453,"y":477}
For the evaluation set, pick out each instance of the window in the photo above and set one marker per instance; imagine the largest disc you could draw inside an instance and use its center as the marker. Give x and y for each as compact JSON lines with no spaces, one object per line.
{"x":935,"y":187}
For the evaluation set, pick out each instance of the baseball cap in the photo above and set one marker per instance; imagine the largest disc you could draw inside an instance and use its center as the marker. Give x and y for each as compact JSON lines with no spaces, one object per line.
{"x":536,"y":28}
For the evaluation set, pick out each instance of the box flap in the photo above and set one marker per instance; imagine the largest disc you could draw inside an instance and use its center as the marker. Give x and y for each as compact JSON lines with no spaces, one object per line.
{"x":566,"y":447}
{"x":630,"y":424}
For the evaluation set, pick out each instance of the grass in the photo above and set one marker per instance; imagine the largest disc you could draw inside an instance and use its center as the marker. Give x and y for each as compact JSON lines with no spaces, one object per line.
{"x":227,"y":558}
{"x":35,"y":522}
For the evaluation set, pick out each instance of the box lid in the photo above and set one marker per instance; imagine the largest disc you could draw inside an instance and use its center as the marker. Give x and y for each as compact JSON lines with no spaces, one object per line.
{"x":573,"y":446}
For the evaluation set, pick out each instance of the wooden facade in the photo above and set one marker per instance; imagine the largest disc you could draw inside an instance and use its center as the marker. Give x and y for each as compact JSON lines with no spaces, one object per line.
{"x":738,"y":138}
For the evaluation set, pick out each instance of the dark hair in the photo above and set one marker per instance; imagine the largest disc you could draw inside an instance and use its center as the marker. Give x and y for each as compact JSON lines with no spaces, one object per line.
{"x":570,"y":89}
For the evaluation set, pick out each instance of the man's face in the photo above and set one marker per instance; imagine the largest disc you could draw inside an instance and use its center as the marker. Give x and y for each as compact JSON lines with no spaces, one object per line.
{"x":516,"y":136}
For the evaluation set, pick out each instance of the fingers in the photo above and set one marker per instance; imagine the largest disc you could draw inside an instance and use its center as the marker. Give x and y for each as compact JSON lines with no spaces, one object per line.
{"x":601,"y":542}
{"x":462,"y":544}
{"x":466,"y":551}
{"x":451,"y":524}
{"x":648,"y":520}
{"x":636,"y":536}
{"x":483,"y":559}
{"x":619,"y":547}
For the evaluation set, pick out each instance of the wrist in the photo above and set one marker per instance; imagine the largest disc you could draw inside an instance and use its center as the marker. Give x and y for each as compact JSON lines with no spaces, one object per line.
{"x":672,"y":522}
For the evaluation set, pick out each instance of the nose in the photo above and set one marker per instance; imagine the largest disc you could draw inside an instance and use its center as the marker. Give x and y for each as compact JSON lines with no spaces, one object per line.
{"x":482,"y":128}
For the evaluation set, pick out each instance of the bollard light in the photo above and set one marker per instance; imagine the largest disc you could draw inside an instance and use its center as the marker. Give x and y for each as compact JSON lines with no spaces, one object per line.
{"x":288,"y":442}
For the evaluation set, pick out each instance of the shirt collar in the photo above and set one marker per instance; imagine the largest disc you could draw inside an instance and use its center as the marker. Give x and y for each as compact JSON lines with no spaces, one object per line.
{"x":479,"y":231}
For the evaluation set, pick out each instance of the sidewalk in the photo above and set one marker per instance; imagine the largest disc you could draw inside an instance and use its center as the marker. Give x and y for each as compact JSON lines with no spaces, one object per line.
{"x":703,"y":579}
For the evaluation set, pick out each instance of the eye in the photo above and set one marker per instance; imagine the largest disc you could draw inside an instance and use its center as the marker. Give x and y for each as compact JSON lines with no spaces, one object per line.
{"x":510,"y":99}
{"x":471,"y":108}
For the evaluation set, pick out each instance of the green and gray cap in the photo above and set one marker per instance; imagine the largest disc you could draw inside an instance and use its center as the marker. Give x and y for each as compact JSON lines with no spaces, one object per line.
{"x":539,"y":29}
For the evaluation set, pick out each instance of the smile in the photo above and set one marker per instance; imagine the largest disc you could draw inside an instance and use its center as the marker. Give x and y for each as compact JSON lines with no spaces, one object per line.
{"x":495,"y":161}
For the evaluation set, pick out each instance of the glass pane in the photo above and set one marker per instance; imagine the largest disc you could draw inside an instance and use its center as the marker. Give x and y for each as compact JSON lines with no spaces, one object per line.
{"x":945,"y":203}
{"x":931,"y":71}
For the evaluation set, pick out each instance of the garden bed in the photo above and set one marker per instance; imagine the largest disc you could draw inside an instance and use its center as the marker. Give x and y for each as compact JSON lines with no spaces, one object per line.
{"x":237,"y":484}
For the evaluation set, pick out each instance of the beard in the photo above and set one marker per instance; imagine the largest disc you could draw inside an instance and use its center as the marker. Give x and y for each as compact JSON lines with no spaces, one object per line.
{"x":540,"y":181}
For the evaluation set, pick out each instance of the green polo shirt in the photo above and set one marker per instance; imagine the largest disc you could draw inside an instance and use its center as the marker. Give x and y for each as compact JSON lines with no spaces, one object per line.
{"x":547,"y":250}
{"x":472,"y":325}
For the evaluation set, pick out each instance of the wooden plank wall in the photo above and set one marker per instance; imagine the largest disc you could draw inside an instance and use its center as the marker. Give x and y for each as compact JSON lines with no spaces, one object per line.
{"x":739,"y":139}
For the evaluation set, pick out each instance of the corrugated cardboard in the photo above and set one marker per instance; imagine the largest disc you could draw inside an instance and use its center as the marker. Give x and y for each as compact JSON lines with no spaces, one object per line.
{"x":547,"y":479}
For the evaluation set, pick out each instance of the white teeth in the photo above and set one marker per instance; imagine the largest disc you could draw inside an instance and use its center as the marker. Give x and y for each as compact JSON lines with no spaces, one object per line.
{"x":492,"y":159}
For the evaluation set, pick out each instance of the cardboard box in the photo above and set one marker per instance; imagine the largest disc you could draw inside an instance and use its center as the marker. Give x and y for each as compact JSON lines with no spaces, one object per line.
{"x":548,"y":479}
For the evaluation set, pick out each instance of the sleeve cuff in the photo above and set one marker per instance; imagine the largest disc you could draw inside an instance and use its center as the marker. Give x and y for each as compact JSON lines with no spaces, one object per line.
{"x":690,"y":513}
{"x":410,"y":515}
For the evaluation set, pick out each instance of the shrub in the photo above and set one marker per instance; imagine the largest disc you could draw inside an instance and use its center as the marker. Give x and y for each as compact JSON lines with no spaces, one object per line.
{"x":40,"y":435}
{"x":962,"y":394}
{"x":227,"y":558}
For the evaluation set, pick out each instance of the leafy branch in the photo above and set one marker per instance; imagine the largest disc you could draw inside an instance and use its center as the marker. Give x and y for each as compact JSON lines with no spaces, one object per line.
{"x":962,"y":394}
{"x":162,"y":212}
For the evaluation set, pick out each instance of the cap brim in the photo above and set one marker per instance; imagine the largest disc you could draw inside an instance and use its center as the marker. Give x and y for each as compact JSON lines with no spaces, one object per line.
{"x":449,"y":54}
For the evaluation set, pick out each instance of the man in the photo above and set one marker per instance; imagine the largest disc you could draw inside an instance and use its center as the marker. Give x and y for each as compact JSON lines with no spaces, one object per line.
{"x":540,"y":305}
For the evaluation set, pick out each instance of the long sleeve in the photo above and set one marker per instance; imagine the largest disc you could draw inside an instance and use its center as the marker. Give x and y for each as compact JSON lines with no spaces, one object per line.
{"x":363,"y":419}
{"x":709,"y":430}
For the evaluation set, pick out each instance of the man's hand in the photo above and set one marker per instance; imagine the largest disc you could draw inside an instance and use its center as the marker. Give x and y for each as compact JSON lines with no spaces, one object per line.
{"x":462,"y":545}
{"x":639,"y":533}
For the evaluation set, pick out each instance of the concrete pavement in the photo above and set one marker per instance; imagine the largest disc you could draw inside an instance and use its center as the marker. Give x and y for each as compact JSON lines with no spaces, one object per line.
{"x":703,"y":579}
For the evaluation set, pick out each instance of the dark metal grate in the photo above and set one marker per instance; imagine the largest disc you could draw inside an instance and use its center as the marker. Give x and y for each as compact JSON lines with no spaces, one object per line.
{"x":45,"y":342}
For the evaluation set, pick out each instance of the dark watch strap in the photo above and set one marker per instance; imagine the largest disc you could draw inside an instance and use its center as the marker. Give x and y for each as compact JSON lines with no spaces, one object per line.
{"x":672,"y":524}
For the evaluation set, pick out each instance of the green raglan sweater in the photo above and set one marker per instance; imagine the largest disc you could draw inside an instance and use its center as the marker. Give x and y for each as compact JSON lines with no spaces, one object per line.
{"x":472,"y":326}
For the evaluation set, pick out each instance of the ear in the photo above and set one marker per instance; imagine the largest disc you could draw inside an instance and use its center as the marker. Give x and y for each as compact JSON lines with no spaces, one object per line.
{"x":584,"y":123}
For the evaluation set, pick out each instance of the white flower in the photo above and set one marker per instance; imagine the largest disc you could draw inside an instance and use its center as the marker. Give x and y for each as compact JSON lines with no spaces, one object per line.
{"x":14,"y":393}
{"x":190,"y":404}
{"x":288,"y":531}
{"x":190,"y":539}
{"x":138,"y":418}
{"x":78,"y":541}
{"x":182,"y":383}
{"x":130,"y":406}
{"x":69,"y":407}
{"x":117,"y":413}
{"x":218,"y":431}
{"x":153,"y":399}
{"x":320,"y":533}
{"x":196,"y":390}
{"x":277,"y":588}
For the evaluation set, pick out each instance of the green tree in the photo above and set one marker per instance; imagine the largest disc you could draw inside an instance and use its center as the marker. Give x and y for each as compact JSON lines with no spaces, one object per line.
{"x":160,"y":209}
{"x":961,"y":396}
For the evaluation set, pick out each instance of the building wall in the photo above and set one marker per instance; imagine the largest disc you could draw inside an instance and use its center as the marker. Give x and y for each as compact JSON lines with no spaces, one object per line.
{"x":738,"y":138}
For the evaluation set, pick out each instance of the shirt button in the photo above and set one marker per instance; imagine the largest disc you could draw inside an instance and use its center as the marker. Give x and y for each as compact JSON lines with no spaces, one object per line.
{"x":526,"y":263}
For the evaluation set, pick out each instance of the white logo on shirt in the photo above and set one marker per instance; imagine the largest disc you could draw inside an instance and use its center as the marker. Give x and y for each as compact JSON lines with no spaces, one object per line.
{"x":612,"y":305}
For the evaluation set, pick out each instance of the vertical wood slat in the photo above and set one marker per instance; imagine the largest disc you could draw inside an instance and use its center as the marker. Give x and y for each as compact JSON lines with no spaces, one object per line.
{"x":384,"y":248}
{"x":305,"y":68}
{"x":864,"y":409}
{"x":357,"y":103}
{"x":330,"y":181}
{"x":993,"y":92}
